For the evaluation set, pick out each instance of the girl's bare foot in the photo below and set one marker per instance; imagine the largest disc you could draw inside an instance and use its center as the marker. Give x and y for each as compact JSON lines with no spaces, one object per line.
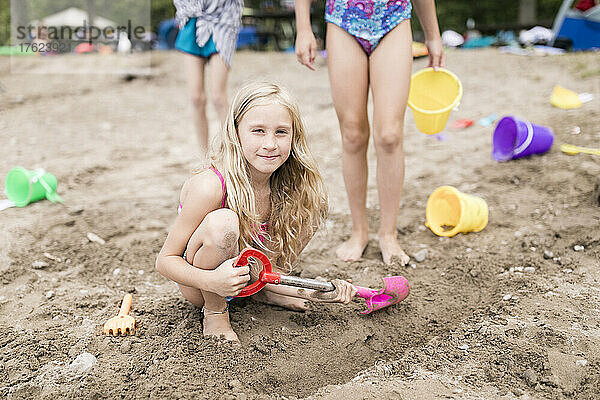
{"x":353,"y":248}
{"x":276,"y":299}
{"x":216,"y":323}
{"x":390,"y":249}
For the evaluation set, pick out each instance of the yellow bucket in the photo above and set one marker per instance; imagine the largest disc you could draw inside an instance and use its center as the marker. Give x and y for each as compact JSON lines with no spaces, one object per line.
{"x":450,"y":211}
{"x":432,"y":95}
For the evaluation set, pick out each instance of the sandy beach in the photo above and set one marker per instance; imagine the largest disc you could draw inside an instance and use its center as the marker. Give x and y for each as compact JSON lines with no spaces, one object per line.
{"x":510,"y":312}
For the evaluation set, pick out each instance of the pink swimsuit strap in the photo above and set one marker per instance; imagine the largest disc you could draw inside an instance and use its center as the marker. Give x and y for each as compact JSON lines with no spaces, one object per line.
{"x":216,"y":171}
{"x":264,"y":227}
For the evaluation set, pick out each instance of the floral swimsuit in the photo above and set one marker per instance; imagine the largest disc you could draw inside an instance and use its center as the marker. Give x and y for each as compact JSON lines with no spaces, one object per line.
{"x":367,"y":20}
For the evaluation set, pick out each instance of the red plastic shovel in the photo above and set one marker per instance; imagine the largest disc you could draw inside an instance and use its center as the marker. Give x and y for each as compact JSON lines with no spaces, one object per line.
{"x":395,"y":288}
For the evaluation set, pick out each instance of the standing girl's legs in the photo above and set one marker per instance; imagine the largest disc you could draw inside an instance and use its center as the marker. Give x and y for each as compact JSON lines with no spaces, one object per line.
{"x":194,"y":71}
{"x":217,"y":81}
{"x":390,"y":68}
{"x":349,"y":76}
{"x":214,"y":241}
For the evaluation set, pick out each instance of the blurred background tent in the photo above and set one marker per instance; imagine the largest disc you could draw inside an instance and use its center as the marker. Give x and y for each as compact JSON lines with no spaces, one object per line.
{"x":72,"y":13}
{"x":72,"y":17}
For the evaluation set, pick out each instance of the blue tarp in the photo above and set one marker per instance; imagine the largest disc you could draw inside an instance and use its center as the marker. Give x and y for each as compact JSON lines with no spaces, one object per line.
{"x":584,"y":33}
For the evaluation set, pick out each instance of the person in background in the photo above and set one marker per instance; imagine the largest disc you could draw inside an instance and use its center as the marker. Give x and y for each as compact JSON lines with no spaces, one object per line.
{"x":369,"y":45}
{"x":207,"y":36}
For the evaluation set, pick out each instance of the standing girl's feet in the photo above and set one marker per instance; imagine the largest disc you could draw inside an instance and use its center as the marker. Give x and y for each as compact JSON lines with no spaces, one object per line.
{"x":390,"y":249}
{"x":353,"y":248}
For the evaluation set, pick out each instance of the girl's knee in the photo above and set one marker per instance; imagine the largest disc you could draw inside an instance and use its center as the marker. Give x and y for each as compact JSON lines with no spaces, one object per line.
{"x":198,"y":100}
{"x":222,"y":229}
{"x":219,"y":102}
{"x":388,"y":139}
{"x":355,"y":135}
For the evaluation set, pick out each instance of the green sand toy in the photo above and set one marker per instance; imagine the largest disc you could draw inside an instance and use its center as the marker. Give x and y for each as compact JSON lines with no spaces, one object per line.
{"x":24,"y":186}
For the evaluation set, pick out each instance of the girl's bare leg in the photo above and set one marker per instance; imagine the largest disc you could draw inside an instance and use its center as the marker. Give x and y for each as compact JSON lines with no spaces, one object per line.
{"x":214,"y":241}
{"x":217,"y":81}
{"x":282,"y":300}
{"x":390,"y":69}
{"x":194,"y":71}
{"x":349,"y":77}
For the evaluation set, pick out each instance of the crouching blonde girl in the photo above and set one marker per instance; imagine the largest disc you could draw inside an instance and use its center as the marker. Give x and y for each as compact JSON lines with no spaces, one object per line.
{"x":262,"y":189}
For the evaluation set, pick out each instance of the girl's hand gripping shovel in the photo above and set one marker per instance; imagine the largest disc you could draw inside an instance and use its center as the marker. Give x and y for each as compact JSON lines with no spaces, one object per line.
{"x":395,"y":288}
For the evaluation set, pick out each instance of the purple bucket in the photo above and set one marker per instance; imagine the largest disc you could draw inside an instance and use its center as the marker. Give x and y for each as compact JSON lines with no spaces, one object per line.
{"x":514,"y":138}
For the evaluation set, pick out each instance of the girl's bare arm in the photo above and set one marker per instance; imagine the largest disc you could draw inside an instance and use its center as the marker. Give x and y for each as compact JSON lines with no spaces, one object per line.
{"x":202,"y":195}
{"x":426,"y":12}
{"x":344,"y":292}
{"x":306,"y":45}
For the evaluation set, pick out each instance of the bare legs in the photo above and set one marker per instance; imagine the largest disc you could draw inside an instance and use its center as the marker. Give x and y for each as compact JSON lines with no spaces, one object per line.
{"x":283,"y":296}
{"x":217,"y":82}
{"x":214,"y":241}
{"x":349,"y":76}
{"x":194,"y":70}
{"x":390,"y":62}
{"x":388,"y":72}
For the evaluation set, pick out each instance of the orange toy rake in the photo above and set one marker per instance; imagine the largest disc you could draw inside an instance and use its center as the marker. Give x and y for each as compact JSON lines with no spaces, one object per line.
{"x":123,"y":324}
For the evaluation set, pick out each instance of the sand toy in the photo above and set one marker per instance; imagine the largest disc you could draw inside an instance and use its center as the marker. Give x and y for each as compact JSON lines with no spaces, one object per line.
{"x":572,"y":150}
{"x":432,"y":95}
{"x":23,"y":186}
{"x":395,"y":288}
{"x":450,"y":211}
{"x":515,"y":138}
{"x":462,"y":123}
{"x":564,"y":98}
{"x":123,"y":324}
{"x":488,"y":121}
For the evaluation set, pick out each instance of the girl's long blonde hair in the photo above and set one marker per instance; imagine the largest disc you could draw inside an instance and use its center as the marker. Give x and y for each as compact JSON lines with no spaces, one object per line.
{"x":298,"y":196}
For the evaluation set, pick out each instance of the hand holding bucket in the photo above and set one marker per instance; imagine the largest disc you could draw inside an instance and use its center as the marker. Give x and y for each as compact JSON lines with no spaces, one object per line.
{"x":432,"y":95}
{"x":450,"y":211}
{"x":23,"y":186}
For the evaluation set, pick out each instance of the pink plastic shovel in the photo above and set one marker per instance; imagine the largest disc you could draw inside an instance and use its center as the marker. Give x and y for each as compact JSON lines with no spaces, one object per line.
{"x":395,"y":288}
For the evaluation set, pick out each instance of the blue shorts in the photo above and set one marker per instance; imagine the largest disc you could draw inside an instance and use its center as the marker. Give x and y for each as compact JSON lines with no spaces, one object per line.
{"x":186,"y":41}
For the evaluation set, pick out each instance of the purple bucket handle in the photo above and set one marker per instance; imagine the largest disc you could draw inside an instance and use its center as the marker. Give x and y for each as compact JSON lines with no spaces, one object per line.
{"x":527,"y":141}
{"x":514,"y":138}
